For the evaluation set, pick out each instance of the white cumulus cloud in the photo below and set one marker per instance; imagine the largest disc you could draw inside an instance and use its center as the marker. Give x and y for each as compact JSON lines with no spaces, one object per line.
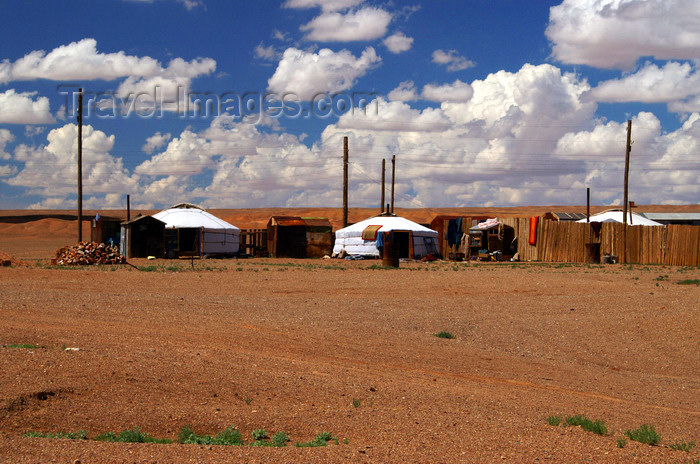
{"x":51,"y":170}
{"x":452,"y":59}
{"x":307,"y":74}
{"x":406,"y":91}
{"x":458,"y":91}
{"x":398,"y":43}
{"x":21,"y":108}
{"x":616,"y":33}
{"x":674,"y":83}
{"x":367,"y":23}
{"x":155,"y":142}
{"x":5,"y":137}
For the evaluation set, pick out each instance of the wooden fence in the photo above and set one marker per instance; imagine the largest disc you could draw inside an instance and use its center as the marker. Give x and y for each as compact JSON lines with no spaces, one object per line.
{"x":254,"y":242}
{"x":565,"y":242}
{"x":675,"y":245}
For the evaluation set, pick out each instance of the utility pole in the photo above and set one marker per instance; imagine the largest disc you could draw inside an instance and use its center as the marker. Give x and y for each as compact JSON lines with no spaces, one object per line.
{"x":381,"y":204}
{"x":345,"y":181}
{"x":128,"y":208}
{"x":393,"y":178}
{"x":628,"y":149}
{"x":80,"y":164}
{"x":588,"y":204}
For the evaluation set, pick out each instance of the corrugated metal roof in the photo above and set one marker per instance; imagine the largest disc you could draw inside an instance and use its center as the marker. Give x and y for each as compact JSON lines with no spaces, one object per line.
{"x":570,"y":216}
{"x":291,"y":222}
{"x":672,"y":216}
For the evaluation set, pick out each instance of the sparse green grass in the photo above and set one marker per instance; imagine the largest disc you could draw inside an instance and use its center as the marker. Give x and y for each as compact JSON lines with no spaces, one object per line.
{"x":682,"y":446}
{"x":280,"y":439}
{"x":621,"y":442}
{"x":689,"y":282}
{"x":230,"y":436}
{"x":554,"y":420}
{"x":321,"y":439}
{"x":644,"y":434}
{"x":444,"y":334}
{"x":24,"y":346}
{"x":598,"y":426}
{"x":80,"y":435}
{"x":356,"y":402}
{"x":130,"y":436}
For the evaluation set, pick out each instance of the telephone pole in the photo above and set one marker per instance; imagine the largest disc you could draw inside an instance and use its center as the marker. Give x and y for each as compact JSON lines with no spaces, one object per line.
{"x":381,"y":204}
{"x":80,"y":164}
{"x":393,"y":177}
{"x":628,"y":149}
{"x":345,"y":181}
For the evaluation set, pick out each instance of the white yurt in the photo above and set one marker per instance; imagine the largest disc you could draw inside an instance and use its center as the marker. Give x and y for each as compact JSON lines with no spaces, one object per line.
{"x":191,"y":231}
{"x":360,"y":239}
{"x":633,"y":219}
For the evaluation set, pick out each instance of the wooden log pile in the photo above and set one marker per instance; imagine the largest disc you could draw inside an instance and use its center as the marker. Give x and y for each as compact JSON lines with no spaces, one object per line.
{"x":87,"y":253}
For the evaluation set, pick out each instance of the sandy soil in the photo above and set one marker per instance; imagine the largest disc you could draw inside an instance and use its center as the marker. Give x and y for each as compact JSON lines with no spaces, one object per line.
{"x":307,"y":346}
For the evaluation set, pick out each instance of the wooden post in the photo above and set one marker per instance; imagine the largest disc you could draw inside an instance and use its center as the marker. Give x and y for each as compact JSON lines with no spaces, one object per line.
{"x":381,"y":203}
{"x":628,"y":149}
{"x":80,"y":164}
{"x":128,"y":208}
{"x":588,"y":204}
{"x":393,"y":178}
{"x":588,"y":214}
{"x":345,"y":181}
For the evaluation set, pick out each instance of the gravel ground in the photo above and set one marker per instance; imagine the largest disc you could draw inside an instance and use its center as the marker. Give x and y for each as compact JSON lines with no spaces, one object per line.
{"x":311,"y":346}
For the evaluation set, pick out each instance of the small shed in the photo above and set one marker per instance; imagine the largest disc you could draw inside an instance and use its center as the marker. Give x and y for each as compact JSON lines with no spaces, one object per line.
{"x":142,"y":236}
{"x":491,"y":237}
{"x":299,"y":237}
{"x":106,"y":229}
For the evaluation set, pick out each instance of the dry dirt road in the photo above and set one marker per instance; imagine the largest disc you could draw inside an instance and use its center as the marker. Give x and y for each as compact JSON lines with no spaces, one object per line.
{"x":345,"y":347}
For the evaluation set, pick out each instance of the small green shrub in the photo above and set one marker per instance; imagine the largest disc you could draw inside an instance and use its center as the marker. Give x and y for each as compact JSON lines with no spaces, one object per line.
{"x":444,"y":334}
{"x":644,"y":434}
{"x":280,"y":439}
{"x":24,"y":346}
{"x":230,"y":436}
{"x":130,"y":436}
{"x":259,"y":434}
{"x":682,"y":446}
{"x":598,"y":427}
{"x":554,"y":420}
{"x":80,"y":435}
{"x":621,"y":442}
{"x":689,"y":282}
{"x":356,"y":403}
{"x":321,"y":439}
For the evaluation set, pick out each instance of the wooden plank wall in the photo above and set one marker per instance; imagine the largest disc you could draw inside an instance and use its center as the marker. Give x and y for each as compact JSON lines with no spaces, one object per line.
{"x":675,"y":245}
{"x":253,"y":242}
{"x":527,"y":252}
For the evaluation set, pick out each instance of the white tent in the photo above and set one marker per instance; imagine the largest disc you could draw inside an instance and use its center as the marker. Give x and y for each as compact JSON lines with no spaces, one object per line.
{"x":414,"y":240}
{"x":618,"y":216}
{"x":189,"y":229}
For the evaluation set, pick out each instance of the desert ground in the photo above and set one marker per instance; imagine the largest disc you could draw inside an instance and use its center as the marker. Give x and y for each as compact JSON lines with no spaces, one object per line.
{"x":311,"y":346}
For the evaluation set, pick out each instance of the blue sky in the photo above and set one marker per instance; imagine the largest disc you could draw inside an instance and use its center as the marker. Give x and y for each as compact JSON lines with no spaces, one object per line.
{"x":484,"y":103}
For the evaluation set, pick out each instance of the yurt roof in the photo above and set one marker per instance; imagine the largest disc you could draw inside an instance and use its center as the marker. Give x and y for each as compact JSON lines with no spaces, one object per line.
{"x":387,"y":223}
{"x":183,"y":217}
{"x":618,"y":216}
